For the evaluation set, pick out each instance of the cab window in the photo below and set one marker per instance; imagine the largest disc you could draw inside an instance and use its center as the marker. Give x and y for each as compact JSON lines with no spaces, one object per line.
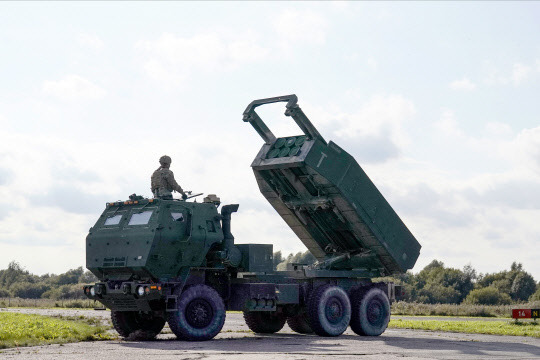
{"x":177,"y":216}
{"x":140,"y":218}
{"x":113,"y":220}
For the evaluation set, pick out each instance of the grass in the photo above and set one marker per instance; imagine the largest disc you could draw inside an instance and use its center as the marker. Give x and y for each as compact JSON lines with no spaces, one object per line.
{"x":49,"y":303}
{"x":29,"y":330}
{"x":503,"y":327}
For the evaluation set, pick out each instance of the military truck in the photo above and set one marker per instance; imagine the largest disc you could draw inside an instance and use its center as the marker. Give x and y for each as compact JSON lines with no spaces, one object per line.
{"x":176,"y":261}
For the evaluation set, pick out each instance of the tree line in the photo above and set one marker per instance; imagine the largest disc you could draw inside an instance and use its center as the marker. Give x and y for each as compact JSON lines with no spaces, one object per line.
{"x":438,"y":284}
{"x":434,"y":284}
{"x":15,"y":281}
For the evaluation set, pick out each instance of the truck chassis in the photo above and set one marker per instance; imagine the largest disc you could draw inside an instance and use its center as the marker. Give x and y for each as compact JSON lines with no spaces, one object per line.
{"x":323,"y":302}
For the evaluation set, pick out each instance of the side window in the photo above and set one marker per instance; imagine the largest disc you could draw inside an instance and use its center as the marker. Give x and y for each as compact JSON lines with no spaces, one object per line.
{"x":140,"y":218}
{"x":113,"y":220}
{"x":177,"y":216}
{"x":210,"y":226}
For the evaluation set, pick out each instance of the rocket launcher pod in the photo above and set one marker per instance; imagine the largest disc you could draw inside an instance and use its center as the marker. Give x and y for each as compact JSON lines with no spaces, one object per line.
{"x":328,"y":200}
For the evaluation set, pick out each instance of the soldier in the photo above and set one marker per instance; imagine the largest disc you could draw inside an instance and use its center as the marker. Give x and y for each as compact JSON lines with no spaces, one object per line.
{"x":162,"y":181}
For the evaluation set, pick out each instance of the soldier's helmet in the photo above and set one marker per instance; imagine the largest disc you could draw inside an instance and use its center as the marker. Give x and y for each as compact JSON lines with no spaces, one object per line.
{"x":165,"y":160}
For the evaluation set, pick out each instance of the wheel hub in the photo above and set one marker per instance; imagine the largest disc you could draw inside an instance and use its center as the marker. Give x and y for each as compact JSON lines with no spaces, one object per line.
{"x":334,"y":310}
{"x":375,"y":312}
{"x":199,"y":313}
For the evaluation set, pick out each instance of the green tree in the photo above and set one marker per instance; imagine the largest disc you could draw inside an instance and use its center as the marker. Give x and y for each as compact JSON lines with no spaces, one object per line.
{"x":523,"y":286}
{"x":87,"y":278}
{"x":434,"y":293}
{"x":487,"y":296}
{"x":536,"y":295}
{"x":69,"y":277}
{"x":439,"y":284}
{"x":29,"y":290}
{"x":516,"y":282}
{"x":71,"y":291}
{"x":305,"y":258}
{"x":15,"y":273}
{"x":278,"y":257}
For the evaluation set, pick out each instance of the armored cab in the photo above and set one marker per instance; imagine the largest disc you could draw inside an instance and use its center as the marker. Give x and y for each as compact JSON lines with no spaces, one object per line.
{"x":328,"y":200}
{"x":151,"y":239}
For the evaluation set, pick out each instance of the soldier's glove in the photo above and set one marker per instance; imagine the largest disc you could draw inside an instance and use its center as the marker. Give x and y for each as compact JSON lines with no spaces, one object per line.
{"x":184,"y":196}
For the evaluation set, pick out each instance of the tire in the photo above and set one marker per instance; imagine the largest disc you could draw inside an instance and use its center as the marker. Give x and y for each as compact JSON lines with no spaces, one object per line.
{"x":264,"y":322}
{"x":370,"y":312}
{"x":329,"y":310}
{"x":200,"y":315}
{"x":127,"y":323}
{"x":300,"y":324}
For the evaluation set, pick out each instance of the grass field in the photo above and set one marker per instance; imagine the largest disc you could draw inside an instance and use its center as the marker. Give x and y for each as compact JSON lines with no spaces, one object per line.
{"x":27,"y":330}
{"x":398,"y":308}
{"x":503,"y":327}
{"x":49,"y":303}
{"x":408,"y":308}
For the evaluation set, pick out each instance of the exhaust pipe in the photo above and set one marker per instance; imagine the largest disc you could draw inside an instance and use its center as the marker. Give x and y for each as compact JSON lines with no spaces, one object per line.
{"x":234,"y":256}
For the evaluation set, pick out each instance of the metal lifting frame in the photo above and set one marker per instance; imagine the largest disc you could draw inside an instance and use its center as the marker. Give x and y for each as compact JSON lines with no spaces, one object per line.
{"x":292,"y":110}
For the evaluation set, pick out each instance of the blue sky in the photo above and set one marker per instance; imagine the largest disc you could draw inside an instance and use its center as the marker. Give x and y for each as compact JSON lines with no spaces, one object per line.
{"x":437,"y":101}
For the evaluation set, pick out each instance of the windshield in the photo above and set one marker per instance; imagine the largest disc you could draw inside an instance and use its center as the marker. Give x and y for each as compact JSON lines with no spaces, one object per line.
{"x":113,"y":220}
{"x":141,"y":218}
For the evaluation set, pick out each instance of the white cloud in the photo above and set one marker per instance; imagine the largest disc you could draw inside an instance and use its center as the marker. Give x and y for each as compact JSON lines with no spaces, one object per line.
{"x":301,"y":26}
{"x":477,"y":194}
{"x":526,"y":148}
{"x":174,"y":57}
{"x":520,"y":73}
{"x":498,"y":129}
{"x":372,"y":63}
{"x":448,"y":124}
{"x":91,"y":41}
{"x":375,"y":130}
{"x":378,"y":115}
{"x":463,"y":84}
{"x":340,"y":5}
{"x":73,"y":87}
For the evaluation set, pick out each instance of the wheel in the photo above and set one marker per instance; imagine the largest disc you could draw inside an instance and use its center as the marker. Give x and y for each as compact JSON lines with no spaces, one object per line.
{"x":264,"y":322}
{"x":124,"y":322}
{"x":145,"y":326}
{"x":329,"y":310}
{"x":370,"y":312}
{"x":200,"y":315}
{"x":299,"y":324}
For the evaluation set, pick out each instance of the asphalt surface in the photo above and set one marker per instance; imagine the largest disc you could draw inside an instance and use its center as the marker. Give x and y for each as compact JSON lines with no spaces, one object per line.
{"x":236,"y":342}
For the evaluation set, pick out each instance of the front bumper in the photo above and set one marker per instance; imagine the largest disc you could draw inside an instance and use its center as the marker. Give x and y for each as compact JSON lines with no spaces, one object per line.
{"x":128,"y":296}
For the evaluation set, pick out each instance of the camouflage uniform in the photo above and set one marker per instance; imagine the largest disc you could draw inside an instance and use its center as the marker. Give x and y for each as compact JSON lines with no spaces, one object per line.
{"x":162,"y":180}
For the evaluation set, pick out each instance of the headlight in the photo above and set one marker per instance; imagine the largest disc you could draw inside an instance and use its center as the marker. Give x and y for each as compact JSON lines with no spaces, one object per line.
{"x":140,"y":290}
{"x":100,"y":289}
{"x":92,"y":291}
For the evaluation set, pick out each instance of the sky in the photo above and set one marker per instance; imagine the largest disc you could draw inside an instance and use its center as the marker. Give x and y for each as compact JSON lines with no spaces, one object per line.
{"x":437,"y":101}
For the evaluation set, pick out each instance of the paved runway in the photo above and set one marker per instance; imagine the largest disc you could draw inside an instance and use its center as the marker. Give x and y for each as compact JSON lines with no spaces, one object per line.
{"x":236,"y":342}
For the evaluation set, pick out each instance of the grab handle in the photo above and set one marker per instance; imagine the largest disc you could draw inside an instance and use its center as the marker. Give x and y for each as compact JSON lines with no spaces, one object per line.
{"x":292,"y":110}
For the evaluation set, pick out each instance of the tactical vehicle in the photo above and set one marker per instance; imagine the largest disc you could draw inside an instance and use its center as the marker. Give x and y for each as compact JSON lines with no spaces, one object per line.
{"x":176,"y":261}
